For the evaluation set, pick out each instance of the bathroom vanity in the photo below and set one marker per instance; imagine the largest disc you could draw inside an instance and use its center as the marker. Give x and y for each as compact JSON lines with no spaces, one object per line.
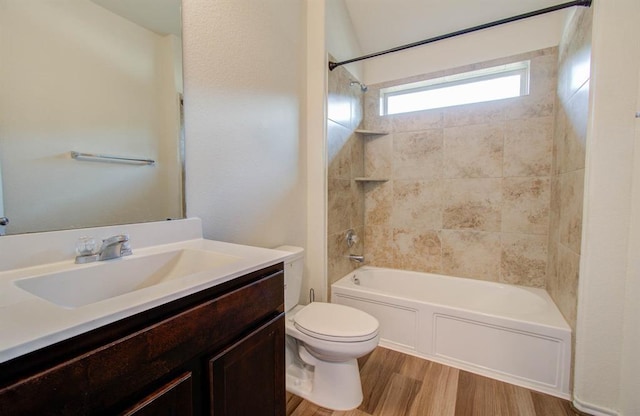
{"x":185,"y":347}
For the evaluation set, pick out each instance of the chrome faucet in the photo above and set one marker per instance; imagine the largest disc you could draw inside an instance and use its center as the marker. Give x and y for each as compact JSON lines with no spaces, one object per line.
{"x":114,"y":247}
{"x":356,"y":258}
{"x":111,"y":248}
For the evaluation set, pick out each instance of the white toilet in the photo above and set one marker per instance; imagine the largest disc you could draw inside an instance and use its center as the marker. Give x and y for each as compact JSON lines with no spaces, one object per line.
{"x":324,"y":341}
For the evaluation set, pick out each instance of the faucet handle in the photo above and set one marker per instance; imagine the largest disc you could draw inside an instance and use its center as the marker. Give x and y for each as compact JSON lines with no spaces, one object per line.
{"x":86,"y":250}
{"x":125,"y":249}
{"x":351,"y":238}
{"x":86,"y":246}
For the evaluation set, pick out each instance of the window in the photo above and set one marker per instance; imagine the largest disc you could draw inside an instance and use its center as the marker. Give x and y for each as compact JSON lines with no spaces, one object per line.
{"x":504,"y":81}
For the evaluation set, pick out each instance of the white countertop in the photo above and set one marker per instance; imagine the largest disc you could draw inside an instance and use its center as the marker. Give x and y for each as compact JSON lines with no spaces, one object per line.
{"x":28,"y":323}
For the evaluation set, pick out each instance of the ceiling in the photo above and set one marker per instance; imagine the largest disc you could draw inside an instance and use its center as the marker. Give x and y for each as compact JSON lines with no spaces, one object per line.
{"x":384,"y":24}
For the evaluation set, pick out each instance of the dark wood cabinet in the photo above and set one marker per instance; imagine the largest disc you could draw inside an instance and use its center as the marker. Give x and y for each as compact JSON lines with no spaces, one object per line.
{"x":219,"y":352}
{"x":172,"y":399}
{"x":246,"y":378}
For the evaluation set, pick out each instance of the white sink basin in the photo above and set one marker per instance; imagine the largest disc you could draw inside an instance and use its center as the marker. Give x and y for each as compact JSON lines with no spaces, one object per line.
{"x":104,"y":280}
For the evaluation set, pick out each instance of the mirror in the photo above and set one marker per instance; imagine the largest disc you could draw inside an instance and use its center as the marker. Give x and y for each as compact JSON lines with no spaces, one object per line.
{"x":100,"y":77}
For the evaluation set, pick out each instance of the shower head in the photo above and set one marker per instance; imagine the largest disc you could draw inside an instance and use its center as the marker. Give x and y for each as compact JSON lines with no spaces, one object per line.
{"x":363,"y":87}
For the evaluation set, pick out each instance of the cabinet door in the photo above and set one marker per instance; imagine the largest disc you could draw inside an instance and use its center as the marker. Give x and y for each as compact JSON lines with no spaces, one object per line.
{"x":248,"y":379}
{"x":172,"y":399}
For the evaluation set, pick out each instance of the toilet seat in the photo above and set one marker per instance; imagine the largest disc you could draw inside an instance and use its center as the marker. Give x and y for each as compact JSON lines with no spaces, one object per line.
{"x":333,"y":322}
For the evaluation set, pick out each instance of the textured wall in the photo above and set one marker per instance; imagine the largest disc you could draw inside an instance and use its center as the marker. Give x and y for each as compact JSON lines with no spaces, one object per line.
{"x":606,"y":369}
{"x":345,"y":161}
{"x":569,"y":147}
{"x":244,"y":85}
{"x":469,"y":186}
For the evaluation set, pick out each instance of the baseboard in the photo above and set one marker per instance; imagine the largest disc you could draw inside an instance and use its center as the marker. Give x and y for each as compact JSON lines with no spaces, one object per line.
{"x":591,"y":409}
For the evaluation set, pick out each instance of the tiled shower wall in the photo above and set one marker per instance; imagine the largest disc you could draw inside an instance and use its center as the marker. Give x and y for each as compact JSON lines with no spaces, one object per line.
{"x":345,"y":161}
{"x":567,"y":181}
{"x":469,"y":186}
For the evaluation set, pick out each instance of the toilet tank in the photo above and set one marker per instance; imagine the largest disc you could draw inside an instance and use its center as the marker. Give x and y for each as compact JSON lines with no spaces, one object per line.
{"x":293,"y":267}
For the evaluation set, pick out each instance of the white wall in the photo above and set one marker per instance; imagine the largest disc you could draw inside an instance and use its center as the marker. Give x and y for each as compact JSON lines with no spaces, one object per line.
{"x":506,"y":40}
{"x":630,"y":377}
{"x":341,"y":38}
{"x":316,"y":122}
{"x":607,"y":340}
{"x":57,"y":59}
{"x":244,"y":67}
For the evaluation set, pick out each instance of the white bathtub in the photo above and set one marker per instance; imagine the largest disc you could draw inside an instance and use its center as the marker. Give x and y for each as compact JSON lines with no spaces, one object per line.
{"x":511,"y":333}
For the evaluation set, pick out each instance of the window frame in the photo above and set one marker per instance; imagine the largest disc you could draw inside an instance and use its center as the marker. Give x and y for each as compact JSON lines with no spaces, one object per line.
{"x":522,"y":68}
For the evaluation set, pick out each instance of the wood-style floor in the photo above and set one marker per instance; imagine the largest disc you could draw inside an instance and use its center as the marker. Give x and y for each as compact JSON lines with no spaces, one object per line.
{"x":396,"y":384}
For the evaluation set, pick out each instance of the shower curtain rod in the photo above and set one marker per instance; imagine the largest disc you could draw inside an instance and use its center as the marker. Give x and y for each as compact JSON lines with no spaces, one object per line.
{"x":584,"y":3}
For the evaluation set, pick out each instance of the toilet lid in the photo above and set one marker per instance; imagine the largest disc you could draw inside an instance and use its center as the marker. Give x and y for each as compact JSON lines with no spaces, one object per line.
{"x":333,"y":322}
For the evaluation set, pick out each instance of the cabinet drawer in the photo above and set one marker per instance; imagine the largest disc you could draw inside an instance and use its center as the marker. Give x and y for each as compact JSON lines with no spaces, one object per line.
{"x":108,"y":376}
{"x":174,"y":398}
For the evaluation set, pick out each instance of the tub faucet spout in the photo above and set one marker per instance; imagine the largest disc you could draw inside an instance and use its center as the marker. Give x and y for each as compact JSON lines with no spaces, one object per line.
{"x":356,"y":258}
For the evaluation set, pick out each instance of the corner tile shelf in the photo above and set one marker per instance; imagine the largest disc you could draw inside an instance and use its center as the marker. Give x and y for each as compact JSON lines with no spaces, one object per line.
{"x":372,"y":132}
{"x":361,"y":179}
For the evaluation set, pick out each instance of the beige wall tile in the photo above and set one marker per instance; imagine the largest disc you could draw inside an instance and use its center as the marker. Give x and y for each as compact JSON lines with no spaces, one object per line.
{"x":378,"y":203}
{"x":552,"y":266}
{"x":574,"y":144}
{"x":567,"y":185}
{"x":345,"y":152}
{"x":575,"y":53}
{"x":357,"y":108}
{"x":479,"y":113}
{"x":473,"y":151}
{"x":339,"y":97}
{"x":344,"y":102}
{"x":378,"y":159}
{"x":417,"y":155}
{"x":356,"y":211}
{"x":338,"y":151}
{"x":379,"y":246}
{"x":338,"y":264}
{"x":530,"y":106}
{"x":418,"y":250}
{"x":417,"y":203}
{"x":571,"y":197}
{"x":471,"y":254}
{"x":467,"y":175}
{"x":544,"y":73}
{"x":566,"y":294}
{"x":471,"y":114}
{"x":372,"y":118}
{"x":357,"y":155}
{"x":554,"y":209}
{"x":524,"y":259}
{"x":559,"y":136}
{"x":525,"y":205}
{"x":339,"y":203}
{"x":528,"y":146}
{"x":472,"y":204}
{"x":418,"y":120}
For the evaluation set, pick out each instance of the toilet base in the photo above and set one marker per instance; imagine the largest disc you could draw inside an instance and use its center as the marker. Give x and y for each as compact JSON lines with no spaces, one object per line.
{"x":331,"y":385}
